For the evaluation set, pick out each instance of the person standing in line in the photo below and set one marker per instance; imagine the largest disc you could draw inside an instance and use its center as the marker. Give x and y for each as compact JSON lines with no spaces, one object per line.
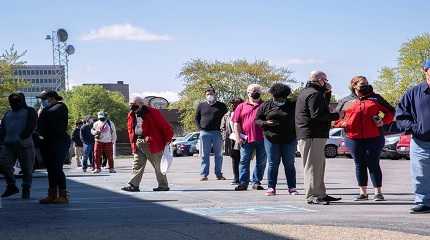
{"x":250,"y":138}
{"x":105,"y":136}
{"x":18,"y":125}
{"x":232,"y":148}
{"x":149,"y":133}
{"x":55,"y":144}
{"x":208,"y":120}
{"x":88,"y":144}
{"x":276,"y":117}
{"x":412,"y":116}
{"x":313,"y":118}
{"x":365,"y":108}
{"x":77,"y":142}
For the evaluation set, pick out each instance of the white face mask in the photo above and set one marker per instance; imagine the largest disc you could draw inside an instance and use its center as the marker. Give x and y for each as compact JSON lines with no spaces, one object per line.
{"x":278,"y":103}
{"x":210,"y":98}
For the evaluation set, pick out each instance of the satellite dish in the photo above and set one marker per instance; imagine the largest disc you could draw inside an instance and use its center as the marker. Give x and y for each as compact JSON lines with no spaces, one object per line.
{"x":62,"y":35}
{"x":156,"y":102}
{"x":70,"y":49}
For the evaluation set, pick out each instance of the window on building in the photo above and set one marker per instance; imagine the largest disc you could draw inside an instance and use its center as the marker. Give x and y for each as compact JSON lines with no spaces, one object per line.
{"x":45,"y":72}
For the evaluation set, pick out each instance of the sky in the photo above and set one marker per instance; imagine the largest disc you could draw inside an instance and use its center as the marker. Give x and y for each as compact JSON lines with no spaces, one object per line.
{"x":145,"y":43}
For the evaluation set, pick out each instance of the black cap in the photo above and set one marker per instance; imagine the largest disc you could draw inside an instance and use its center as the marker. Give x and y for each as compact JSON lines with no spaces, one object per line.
{"x":48,"y":94}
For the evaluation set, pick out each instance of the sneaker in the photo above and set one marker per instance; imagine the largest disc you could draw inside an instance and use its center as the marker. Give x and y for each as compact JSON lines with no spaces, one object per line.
{"x":235,"y":183}
{"x":130,"y":188}
{"x":111,"y":170}
{"x":378,"y":197}
{"x":204,"y":179}
{"x":84,"y":170}
{"x":329,"y":199}
{"x":10,"y":190}
{"x":313,"y":200}
{"x":221,"y":177}
{"x":361,"y":197}
{"x":95,"y":171}
{"x":241,"y":188}
{"x":420,"y":209}
{"x":270,"y":192}
{"x":257,"y":186}
{"x":293,"y":191}
{"x":161,"y":189}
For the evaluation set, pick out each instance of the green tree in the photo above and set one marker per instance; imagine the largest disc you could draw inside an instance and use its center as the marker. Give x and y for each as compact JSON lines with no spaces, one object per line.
{"x":392,"y":83}
{"x":85,"y":101}
{"x":8,"y":82}
{"x":230,"y":80}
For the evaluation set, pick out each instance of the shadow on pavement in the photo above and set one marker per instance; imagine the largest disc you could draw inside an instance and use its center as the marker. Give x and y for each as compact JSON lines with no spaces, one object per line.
{"x":96,"y":213}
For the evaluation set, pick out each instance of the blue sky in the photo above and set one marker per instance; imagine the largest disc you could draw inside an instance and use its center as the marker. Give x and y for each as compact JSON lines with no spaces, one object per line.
{"x":145,"y":43}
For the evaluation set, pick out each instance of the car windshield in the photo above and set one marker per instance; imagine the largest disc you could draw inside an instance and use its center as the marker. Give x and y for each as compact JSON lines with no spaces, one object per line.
{"x":335,"y":132}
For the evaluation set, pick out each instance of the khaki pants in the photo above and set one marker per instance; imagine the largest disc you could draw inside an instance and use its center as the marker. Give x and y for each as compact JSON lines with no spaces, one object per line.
{"x":139,"y":161}
{"x":78,"y":155}
{"x":312,"y":151}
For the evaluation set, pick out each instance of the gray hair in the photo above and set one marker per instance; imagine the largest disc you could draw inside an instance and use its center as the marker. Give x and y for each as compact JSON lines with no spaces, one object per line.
{"x":314,"y":75}
{"x":137,"y":99}
{"x":254,"y":86}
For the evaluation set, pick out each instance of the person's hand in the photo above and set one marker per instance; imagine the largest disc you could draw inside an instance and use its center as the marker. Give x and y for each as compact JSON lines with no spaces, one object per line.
{"x":239,"y":140}
{"x":270,"y":123}
{"x":328,"y":87}
{"x":146,"y":140}
{"x":341,"y":114}
{"x":379,"y":123}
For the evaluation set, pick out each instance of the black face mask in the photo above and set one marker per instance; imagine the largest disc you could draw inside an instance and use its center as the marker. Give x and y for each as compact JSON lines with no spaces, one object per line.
{"x":102,"y":119}
{"x":365,"y":89}
{"x":255,"y":95}
{"x":134,"y":107}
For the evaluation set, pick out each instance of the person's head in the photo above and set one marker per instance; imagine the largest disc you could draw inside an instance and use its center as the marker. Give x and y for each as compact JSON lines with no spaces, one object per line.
{"x":280,"y":92}
{"x":360,"y":86}
{"x":49,"y":97}
{"x":235,"y":102}
{"x":16,"y":101}
{"x":79,"y":123}
{"x":318,"y":77}
{"x":254,"y":91}
{"x":426,"y":69}
{"x":136,"y":103}
{"x":102,"y":116}
{"x":210,"y":94}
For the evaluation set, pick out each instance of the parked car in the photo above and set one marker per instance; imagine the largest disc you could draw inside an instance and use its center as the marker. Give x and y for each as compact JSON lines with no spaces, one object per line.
{"x":185,"y":146}
{"x":403,"y":146}
{"x":336,"y":137}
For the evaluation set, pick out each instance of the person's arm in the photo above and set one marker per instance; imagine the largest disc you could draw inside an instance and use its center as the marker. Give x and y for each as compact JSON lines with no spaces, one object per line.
{"x":387,"y":109}
{"x":404,"y":118}
{"x":198,"y":117}
{"x":31,"y":123}
{"x":114,"y":136}
{"x":260,"y":118}
{"x":81,"y":135}
{"x":236,"y":119}
{"x":318,"y":109}
{"x":94,"y":130}
{"x":165,"y":127}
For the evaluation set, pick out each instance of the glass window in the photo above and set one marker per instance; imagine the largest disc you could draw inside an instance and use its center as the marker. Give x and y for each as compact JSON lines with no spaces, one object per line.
{"x":45,"y":72}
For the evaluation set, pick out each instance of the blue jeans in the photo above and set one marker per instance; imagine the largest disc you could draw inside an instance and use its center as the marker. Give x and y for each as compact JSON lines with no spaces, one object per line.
{"x":420,"y":170}
{"x":246,"y":153}
{"x":276,"y":152}
{"x":210,"y":140}
{"x":88,"y":155}
{"x":366,"y":153}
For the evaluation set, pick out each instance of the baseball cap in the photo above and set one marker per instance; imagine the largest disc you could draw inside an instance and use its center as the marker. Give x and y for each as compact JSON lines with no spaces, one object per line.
{"x":101,"y":114}
{"x":47,"y":94}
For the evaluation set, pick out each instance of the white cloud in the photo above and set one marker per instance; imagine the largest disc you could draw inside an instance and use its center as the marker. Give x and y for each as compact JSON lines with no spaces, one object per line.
{"x":169,"y":95}
{"x":125,"y":32}
{"x":300,"y":61}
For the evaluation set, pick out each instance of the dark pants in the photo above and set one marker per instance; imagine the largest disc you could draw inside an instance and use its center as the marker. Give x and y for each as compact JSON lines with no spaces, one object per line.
{"x":54,"y":154}
{"x":25,"y":156}
{"x":277,"y":152}
{"x":366,"y":153}
{"x":88,"y":156}
{"x":235,"y":158}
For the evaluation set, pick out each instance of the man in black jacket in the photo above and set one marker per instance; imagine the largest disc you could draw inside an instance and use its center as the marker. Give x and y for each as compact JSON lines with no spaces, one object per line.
{"x":313,"y":118}
{"x":55,"y":143}
{"x":18,"y":126}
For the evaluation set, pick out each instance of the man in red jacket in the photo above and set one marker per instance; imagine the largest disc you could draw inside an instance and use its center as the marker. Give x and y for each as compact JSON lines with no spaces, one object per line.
{"x":149,"y":133}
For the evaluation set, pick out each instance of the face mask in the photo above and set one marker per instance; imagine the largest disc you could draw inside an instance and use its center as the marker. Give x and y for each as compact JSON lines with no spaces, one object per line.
{"x":134,"y":107}
{"x":45,"y":103}
{"x":102,"y":119}
{"x":210,"y":98}
{"x":278,"y":103}
{"x":365,"y":89}
{"x":255,"y":95}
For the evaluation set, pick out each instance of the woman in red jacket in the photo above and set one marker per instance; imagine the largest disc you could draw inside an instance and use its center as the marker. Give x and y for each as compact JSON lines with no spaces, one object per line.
{"x":365,"y":112}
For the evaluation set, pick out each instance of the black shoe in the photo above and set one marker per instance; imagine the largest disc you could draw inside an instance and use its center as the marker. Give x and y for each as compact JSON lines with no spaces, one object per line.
{"x":257,"y":186}
{"x":241,"y":188}
{"x":362,"y":197}
{"x":235,"y":183}
{"x":221,"y":177}
{"x":25,"y":193}
{"x":329,"y":199}
{"x":420,"y":209}
{"x":130,"y":188}
{"x":378,"y":197}
{"x":10,"y":190}
{"x":161,"y":189}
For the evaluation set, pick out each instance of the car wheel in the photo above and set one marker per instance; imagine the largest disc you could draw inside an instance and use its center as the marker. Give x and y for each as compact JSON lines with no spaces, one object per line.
{"x":330,"y":151}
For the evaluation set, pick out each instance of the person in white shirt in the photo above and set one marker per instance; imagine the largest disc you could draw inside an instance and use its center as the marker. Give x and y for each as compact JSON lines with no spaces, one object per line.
{"x":105,"y":136}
